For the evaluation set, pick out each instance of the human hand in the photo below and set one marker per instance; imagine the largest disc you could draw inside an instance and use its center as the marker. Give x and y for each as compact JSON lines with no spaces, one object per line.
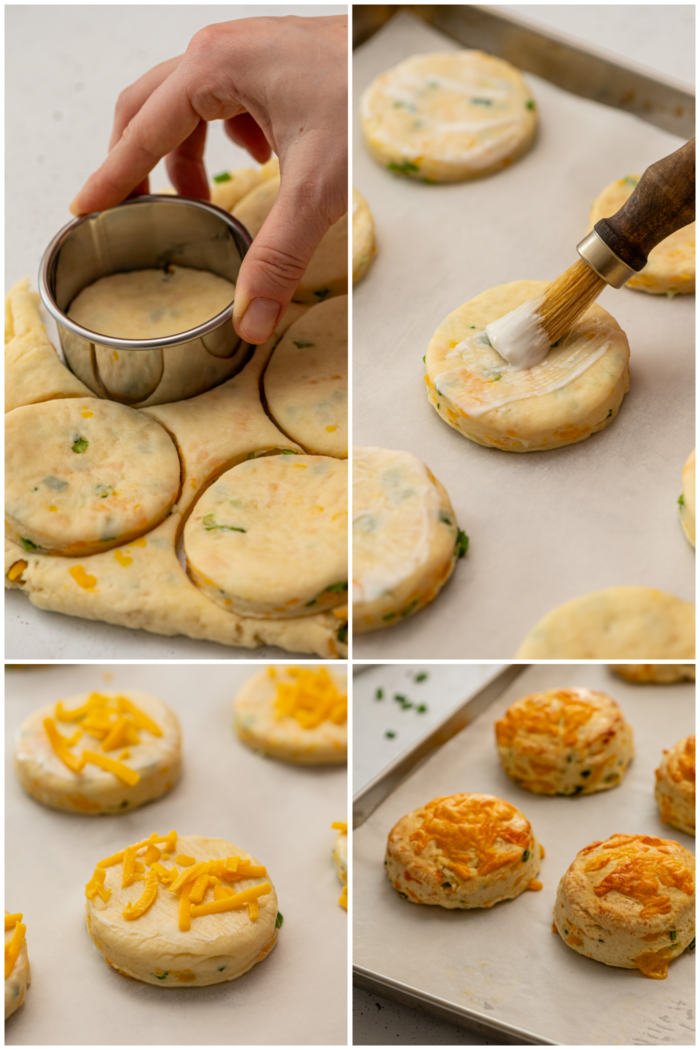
{"x":277,"y":83}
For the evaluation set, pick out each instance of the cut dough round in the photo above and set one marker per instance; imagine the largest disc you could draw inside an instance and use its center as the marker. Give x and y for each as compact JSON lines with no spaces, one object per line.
{"x":99,"y":474}
{"x":405,"y":538}
{"x":296,"y":714}
{"x":135,"y":732}
{"x":565,"y":742}
{"x":154,"y":947}
{"x":19,"y":977}
{"x":269,"y":537}
{"x":575,"y":392}
{"x":662,"y":674}
{"x":675,"y":786}
{"x":227,"y":192}
{"x":306,"y":381}
{"x":147,"y":304}
{"x":687,"y":500}
{"x":630,"y":902}
{"x":448,"y":116}
{"x":363,"y":244}
{"x":615,"y":624}
{"x":340,"y":856}
{"x":670,"y":268}
{"x":463,"y":851}
{"x":254,"y":208}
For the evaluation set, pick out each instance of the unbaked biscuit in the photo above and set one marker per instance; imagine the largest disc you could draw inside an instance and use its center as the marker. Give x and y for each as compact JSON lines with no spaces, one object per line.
{"x":575,"y":392}
{"x":94,"y":754}
{"x":463,"y":851}
{"x":269,"y":537}
{"x":670,"y":268}
{"x":296,"y":714}
{"x":615,"y":624}
{"x":363,"y":244}
{"x":448,"y":116}
{"x":180,"y":911}
{"x":18,"y":976}
{"x":405,"y":537}
{"x":660,"y":674}
{"x":340,"y":851}
{"x":565,"y":742}
{"x":99,"y":474}
{"x":686,"y":501}
{"x":630,"y":902}
{"x":675,"y":786}
{"x":230,"y":187}
{"x":306,"y":381}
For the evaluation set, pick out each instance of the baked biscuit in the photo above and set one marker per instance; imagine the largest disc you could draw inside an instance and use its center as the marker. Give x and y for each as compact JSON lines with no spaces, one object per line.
{"x":363,"y":244}
{"x":94,"y":754}
{"x":297,"y":714}
{"x":660,"y":674}
{"x":18,"y":976}
{"x":463,"y":851}
{"x":100,"y":474}
{"x":575,"y":392}
{"x":269,"y":537}
{"x":405,"y":537}
{"x":675,"y":786}
{"x":448,"y":116}
{"x":630,"y":902}
{"x":670,"y":268}
{"x":565,"y":742}
{"x":686,"y":501}
{"x":619,"y":623}
{"x":180,"y":911}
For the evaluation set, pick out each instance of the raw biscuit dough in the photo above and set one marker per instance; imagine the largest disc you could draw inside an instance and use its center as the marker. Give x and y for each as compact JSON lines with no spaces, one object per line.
{"x":306,"y":381}
{"x":340,"y":855}
{"x":295,"y":714}
{"x":615,"y":624}
{"x":686,"y":503}
{"x":675,"y":786}
{"x":405,"y":538}
{"x":363,"y":243}
{"x":565,"y":742}
{"x":575,"y":392}
{"x":20,"y":977}
{"x":85,"y":475}
{"x":152,"y":948}
{"x":269,"y":537}
{"x":463,"y":851}
{"x":447,"y":116}
{"x":663,"y":674}
{"x":670,"y":267}
{"x":227,"y":192}
{"x":155,"y":758}
{"x":629,"y":901}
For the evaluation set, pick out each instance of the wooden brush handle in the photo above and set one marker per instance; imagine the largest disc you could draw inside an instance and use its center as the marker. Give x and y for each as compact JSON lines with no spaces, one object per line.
{"x":663,"y":201}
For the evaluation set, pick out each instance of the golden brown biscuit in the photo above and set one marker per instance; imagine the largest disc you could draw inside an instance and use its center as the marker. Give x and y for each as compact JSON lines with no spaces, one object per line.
{"x":675,"y":786}
{"x":659,"y":674}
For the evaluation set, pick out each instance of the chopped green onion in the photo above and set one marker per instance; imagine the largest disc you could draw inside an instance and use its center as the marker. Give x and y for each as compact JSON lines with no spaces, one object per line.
{"x":279,"y":920}
{"x":672,"y":934}
{"x":390,"y":734}
{"x":420,"y":677}
{"x":526,"y":855}
{"x":80,"y":445}
{"x":681,"y":501}
{"x":322,"y":293}
{"x":530,"y":104}
{"x":223,"y":177}
{"x":338,"y":588}
{"x":28,"y":545}
{"x":462,"y":544}
{"x":422,"y":708}
{"x":210,"y":525}
{"x":405,"y":168}
{"x":342,"y":634}
{"x":379,"y":695}
{"x":301,"y":346}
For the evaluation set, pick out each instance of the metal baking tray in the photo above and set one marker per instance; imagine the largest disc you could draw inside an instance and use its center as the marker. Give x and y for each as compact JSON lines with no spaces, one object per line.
{"x":500,"y":972}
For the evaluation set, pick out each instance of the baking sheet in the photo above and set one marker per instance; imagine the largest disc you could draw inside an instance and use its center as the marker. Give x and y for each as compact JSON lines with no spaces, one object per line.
{"x":544,"y":527}
{"x":504,"y":963}
{"x":278,"y":812}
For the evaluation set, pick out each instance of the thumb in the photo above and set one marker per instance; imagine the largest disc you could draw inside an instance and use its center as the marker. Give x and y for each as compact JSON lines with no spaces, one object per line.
{"x":279,"y":255}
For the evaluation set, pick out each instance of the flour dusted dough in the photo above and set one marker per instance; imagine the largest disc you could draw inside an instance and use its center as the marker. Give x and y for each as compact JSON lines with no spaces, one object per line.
{"x":675,"y":786}
{"x":363,"y":244}
{"x":670,"y":268}
{"x":615,"y":624}
{"x":20,"y":976}
{"x":306,"y":381}
{"x":463,"y":851}
{"x":44,"y":776}
{"x":152,"y":948}
{"x":444,"y":117}
{"x":629,"y":901}
{"x":575,"y":392}
{"x":662,"y":674}
{"x":405,"y":538}
{"x":687,"y":500}
{"x":269,"y":537}
{"x":83,"y":475}
{"x":260,"y":726}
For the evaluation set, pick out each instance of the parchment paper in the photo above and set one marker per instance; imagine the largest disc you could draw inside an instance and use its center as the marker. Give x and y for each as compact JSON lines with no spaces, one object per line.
{"x":504,"y":962}
{"x":544,"y":527}
{"x":278,"y":812}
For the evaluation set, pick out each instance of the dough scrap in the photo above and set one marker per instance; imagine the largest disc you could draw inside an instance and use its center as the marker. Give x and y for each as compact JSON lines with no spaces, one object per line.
{"x":363,"y":242}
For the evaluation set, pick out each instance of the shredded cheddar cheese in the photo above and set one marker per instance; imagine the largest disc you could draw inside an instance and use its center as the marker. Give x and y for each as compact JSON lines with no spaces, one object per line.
{"x":12,"y":948}
{"x":135,"y":911}
{"x":17,"y":569}
{"x":343,"y":898}
{"x":96,"y":886}
{"x":12,"y":920}
{"x":311,"y":698}
{"x":236,"y":900}
{"x":338,"y":825}
{"x":640,"y":867}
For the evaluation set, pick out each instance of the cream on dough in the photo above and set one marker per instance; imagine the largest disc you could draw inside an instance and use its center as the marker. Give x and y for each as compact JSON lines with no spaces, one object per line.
{"x":519,"y":337}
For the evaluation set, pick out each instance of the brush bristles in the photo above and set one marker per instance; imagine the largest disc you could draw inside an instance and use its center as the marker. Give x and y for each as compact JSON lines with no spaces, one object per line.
{"x":567,"y":298}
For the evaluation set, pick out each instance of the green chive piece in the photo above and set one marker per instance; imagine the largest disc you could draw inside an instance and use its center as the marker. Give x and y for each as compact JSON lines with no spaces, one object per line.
{"x":338,"y":588}
{"x":462,"y":544}
{"x":681,"y":501}
{"x":322,"y":293}
{"x":586,"y":773}
{"x":379,"y":695}
{"x":210,"y":525}
{"x":342,"y":634}
{"x":526,"y":855}
{"x":28,"y":545}
{"x":672,"y":934}
{"x":279,"y":920}
{"x":405,"y":168}
{"x":530,"y":104}
{"x":289,"y":452}
{"x":630,"y":180}
{"x":390,"y":734}
{"x":301,"y":346}
{"x":420,"y":677}
{"x":80,"y":445}
{"x":223,"y":177}
{"x":422,"y":708}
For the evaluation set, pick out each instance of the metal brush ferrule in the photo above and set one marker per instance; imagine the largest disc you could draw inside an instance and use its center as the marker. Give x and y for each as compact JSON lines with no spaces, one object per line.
{"x":594,"y":251}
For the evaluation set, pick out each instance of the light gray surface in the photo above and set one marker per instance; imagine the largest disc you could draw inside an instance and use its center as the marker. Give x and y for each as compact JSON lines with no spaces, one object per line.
{"x":504,"y":963}
{"x":65,"y":66}
{"x":544,"y":527}
{"x":380,"y":1022}
{"x":279,"y":812}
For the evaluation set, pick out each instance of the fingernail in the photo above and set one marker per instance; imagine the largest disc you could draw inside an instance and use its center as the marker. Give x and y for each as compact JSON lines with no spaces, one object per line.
{"x":259,"y":320}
